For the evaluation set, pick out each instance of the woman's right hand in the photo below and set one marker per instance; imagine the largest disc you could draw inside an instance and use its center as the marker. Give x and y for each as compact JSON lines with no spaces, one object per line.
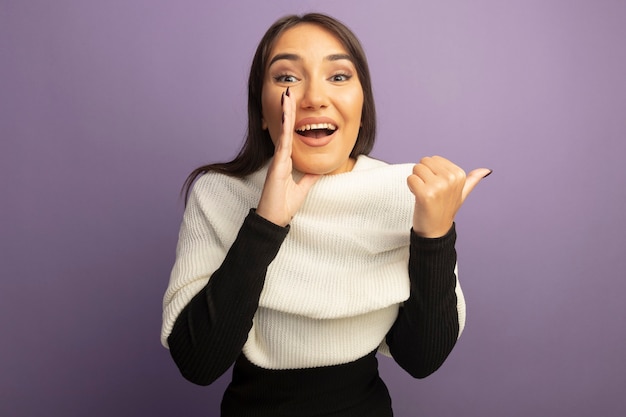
{"x":282,"y":196}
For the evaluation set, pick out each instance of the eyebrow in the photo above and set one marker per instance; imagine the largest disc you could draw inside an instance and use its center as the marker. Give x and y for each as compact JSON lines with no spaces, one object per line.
{"x":295,"y":57}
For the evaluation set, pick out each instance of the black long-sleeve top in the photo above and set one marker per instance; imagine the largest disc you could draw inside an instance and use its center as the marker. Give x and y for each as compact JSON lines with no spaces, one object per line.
{"x":209,"y":334}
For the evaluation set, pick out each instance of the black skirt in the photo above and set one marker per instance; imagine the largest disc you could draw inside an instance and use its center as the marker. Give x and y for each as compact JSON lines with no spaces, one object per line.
{"x":349,"y":390}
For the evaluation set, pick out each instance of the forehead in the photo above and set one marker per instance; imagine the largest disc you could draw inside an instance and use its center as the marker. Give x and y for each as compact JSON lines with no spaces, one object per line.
{"x":308,"y":36}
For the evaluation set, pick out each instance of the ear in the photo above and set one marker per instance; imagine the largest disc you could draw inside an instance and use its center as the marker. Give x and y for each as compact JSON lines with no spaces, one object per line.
{"x":263,"y":124}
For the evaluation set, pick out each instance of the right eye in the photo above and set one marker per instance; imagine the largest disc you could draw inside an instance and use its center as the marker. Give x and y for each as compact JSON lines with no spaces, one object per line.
{"x":285,"y":78}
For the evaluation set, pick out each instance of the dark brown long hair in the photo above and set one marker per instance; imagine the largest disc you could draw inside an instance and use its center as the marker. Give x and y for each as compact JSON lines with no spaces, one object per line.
{"x":258,"y":147}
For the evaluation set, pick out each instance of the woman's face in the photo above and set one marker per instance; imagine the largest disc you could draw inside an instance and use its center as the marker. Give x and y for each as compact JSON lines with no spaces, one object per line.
{"x":322,"y":79}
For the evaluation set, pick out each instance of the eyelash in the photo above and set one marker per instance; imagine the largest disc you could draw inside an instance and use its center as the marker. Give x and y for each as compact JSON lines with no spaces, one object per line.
{"x":344,"y":75}
{"x":282,"y":78}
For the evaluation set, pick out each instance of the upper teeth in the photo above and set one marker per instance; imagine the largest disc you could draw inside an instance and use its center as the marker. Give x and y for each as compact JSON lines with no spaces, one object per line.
{"x":317,"y":126}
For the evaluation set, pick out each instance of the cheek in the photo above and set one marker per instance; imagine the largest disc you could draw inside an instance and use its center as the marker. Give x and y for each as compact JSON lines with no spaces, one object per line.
{"x":270,"y":103}
{"x":271,"y":91}
{"x":353,"y":105}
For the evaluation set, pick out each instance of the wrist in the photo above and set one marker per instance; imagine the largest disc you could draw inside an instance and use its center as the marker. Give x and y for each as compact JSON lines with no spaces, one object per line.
{"x":267,"y":215}
{"x":434,"y":234}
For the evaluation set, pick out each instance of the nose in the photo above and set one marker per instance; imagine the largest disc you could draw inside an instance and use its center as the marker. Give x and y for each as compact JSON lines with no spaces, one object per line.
{"x":314,"y":95}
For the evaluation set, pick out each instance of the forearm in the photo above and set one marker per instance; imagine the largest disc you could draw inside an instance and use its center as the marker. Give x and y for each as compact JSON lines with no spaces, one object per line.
{"x":210,"y":332}
{"x":427,"y":326}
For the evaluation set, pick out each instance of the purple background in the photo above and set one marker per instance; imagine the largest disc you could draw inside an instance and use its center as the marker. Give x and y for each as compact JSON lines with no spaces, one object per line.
{"x":105,"y":107}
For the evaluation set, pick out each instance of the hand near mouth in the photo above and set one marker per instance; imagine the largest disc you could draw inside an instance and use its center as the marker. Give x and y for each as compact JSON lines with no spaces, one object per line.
{"x":282,"y":196}
{"x":440,"y":188}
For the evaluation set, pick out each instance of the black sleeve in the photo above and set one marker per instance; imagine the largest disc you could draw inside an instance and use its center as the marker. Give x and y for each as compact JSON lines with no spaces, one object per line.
{"x":210,"y":332}
{"x":427,"y":326}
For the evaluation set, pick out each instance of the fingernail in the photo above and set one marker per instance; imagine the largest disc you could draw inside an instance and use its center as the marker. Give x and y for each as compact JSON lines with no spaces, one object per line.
{"x":489,"y":173}
{"x":287,"y":92}
{"x":283,"y":119}
{"x":282,"y":98}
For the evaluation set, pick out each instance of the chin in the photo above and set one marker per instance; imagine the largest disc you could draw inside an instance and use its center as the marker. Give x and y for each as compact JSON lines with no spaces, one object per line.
{"x":312,"y":169}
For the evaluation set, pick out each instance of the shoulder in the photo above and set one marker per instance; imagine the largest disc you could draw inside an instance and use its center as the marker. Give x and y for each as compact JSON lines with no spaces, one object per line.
{"x":366,"y":163}
{"x":212,"y":183}
{"x":218,"y":194}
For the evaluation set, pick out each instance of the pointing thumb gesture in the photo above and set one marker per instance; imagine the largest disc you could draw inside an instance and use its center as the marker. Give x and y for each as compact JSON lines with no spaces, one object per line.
{"x":440,"y":188}
{"x":472,"y":180}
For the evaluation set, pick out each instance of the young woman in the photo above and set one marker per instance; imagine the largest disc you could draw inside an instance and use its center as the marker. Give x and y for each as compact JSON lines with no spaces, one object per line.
{"x":303,"y":257}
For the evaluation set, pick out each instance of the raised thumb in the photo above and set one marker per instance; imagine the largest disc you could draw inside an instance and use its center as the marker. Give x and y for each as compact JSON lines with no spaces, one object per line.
{"x":472,"y":179}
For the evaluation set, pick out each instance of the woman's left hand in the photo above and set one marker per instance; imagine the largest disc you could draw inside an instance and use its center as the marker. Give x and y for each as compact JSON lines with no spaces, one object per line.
{"x":440,"y":188}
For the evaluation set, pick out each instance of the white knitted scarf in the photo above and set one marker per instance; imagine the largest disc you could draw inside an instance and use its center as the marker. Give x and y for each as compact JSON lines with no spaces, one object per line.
{"x":333,"y":290}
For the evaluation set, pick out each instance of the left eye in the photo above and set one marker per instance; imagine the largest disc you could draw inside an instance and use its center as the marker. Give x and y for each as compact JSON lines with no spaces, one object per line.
{"x":340,"y":77}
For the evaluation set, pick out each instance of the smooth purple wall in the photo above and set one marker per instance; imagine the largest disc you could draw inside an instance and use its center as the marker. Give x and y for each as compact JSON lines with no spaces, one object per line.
{"x":105,"y":106}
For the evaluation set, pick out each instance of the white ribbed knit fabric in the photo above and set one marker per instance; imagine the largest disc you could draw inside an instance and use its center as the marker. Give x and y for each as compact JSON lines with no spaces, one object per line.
{"x":335,"y":286}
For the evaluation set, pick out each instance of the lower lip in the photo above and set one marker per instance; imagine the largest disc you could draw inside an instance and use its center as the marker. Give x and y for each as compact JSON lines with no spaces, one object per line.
{"x":316,"y":142}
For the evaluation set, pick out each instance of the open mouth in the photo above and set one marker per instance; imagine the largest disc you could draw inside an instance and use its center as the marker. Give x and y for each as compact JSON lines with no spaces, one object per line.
{"x":316,"y":131}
